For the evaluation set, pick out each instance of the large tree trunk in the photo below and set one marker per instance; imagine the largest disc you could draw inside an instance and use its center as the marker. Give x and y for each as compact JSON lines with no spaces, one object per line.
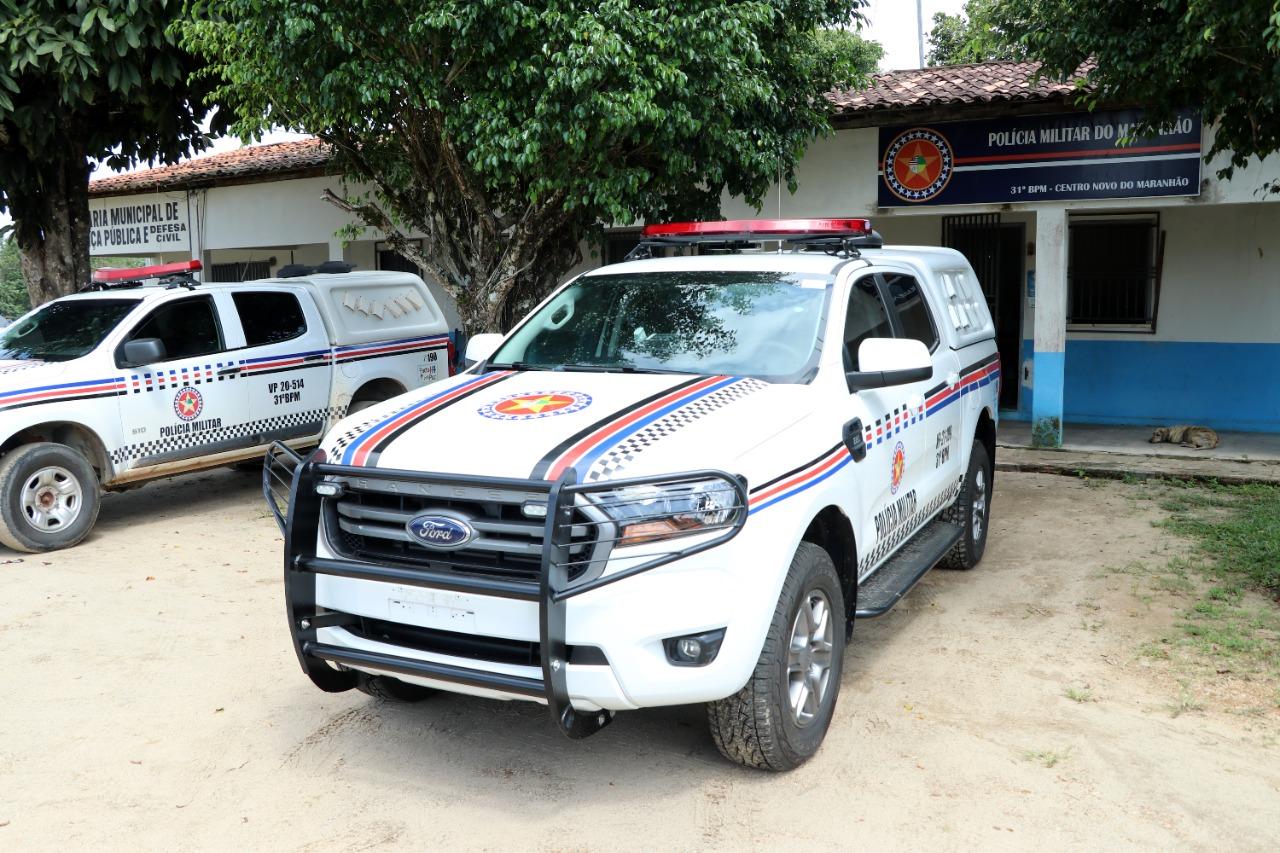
{"x":52,"y":227}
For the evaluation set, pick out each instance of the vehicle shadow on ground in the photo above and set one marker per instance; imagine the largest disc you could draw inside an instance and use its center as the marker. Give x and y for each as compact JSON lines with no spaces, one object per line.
{"x":515,"y":755}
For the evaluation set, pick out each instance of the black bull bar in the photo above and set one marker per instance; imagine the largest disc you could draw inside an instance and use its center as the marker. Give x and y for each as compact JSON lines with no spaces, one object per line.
{"x":289,"y":485}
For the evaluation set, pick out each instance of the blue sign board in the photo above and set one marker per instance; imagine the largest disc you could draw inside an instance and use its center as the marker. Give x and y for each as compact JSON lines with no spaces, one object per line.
{"x":1037,"y":158}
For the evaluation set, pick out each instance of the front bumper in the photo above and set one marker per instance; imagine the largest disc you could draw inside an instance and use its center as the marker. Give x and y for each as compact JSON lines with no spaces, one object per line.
{"x":578,"y":683}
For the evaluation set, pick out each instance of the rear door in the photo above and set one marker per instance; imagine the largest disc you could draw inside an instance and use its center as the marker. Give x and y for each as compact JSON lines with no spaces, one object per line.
{"x":187,"y":404}
{"x":286,"y":364}
{"x":938,"y":464}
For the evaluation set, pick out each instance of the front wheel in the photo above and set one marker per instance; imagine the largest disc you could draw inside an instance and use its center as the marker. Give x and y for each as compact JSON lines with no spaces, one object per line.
{"x":48,"y":497}
{"x":778,"y":720}
{"x":972,"y":510}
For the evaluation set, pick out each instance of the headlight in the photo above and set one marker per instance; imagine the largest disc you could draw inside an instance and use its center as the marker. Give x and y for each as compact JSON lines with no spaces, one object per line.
{"x":646,"y":513}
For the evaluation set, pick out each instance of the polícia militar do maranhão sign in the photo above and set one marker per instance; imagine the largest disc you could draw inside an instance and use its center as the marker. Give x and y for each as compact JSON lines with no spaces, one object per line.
{"x":1038,"y":158}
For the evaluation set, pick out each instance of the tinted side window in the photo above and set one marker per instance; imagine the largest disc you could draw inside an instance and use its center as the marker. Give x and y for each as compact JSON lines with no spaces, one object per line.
{"x":269,"y":317}
{"x":188,"y":328}
{"x":866,"y":318}
{"x":913,"y":312}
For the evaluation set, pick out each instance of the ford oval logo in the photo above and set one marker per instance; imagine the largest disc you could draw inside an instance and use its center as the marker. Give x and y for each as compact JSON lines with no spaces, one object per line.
{"x":440,"y":531}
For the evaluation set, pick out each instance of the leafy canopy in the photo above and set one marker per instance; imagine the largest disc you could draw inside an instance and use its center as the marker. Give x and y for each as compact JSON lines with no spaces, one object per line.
{"x":1167,"y":54}
{"x":102,"y":73}
{"x":505,"y":131}
{"x":970,"y":36}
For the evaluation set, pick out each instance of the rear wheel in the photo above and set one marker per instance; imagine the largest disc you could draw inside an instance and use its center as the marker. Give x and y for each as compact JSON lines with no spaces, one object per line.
{"x":779,"y":719}
{"x":391,"y":689}
{"x":972,"y":510}
{"x":48,"y":497}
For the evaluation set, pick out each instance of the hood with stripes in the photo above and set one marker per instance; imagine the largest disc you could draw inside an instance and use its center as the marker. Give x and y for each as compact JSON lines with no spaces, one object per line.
{"x":537,"y":424}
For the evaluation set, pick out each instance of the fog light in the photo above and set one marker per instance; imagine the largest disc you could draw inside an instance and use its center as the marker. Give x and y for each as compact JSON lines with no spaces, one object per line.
{"x":694,"y":649}
{"x":330,"y":490}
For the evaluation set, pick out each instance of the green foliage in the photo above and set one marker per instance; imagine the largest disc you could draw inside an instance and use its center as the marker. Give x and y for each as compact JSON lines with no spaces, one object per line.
{"x":84,"y":80}
{"x":506,"y":132}
{"x":970,"y":36}
{"x":13,"y":290}
{"x":1167,"y":54}
{"x":105,"y":69}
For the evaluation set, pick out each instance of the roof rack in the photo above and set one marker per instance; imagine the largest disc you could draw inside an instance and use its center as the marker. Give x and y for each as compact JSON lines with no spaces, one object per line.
{"x":178,"y":274}
{"x":834,"y":236}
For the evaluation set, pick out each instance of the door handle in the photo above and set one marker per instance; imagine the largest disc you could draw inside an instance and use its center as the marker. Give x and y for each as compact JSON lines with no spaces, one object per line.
{"x":854,"y":440}
{"x":228,"y":371}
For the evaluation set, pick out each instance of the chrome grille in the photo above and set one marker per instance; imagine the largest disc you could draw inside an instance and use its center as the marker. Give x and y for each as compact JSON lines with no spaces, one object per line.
{"x":368,"y":523}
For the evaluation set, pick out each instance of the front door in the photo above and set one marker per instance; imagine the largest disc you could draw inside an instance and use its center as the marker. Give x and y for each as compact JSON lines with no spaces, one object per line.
{"x":186,"y":405}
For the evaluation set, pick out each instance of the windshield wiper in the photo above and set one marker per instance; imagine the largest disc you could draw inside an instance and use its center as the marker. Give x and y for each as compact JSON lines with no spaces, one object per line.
{"x":618,"y":368}
{"x":518,"y":365}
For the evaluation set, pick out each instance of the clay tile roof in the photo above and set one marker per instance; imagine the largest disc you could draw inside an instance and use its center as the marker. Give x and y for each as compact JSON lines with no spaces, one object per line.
{"x":293,"y":158}
{"x":979,"y":83}
{"x":976,"y":85}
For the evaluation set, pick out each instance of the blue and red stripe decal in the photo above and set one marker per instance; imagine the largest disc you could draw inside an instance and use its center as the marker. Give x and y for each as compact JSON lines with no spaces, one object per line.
{"x":583,"y":448}
{"x":798,"y":479}
{"x":356,"y":352}
{"x":972,"y":378}
{"x":806,"y":476}
{"x":65,"y":391}
{"x":365,"y":449}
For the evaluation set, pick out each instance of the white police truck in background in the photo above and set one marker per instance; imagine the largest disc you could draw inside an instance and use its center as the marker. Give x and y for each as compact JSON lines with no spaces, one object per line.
{"x":679,"y":480}
{"x":125,"y":382}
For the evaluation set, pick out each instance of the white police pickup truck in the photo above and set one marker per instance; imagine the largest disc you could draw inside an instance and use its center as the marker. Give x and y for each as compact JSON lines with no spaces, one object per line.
{"x":125,"y":382}
{"x":678,"y":480}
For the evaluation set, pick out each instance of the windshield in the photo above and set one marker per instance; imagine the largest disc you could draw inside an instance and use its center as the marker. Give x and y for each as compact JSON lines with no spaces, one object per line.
{"x":765,"y":325}
{"x":61,"y":331}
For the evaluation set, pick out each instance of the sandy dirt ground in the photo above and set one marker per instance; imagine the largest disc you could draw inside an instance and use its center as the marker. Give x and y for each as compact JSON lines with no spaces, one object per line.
{"x":151,"y":702}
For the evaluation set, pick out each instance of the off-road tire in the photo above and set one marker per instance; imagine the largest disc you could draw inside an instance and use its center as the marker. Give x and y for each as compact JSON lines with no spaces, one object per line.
{"x":966,"y":553}
{"x":754,"y":727}
{"x":391,"y":689}
{"x":21,"y":464}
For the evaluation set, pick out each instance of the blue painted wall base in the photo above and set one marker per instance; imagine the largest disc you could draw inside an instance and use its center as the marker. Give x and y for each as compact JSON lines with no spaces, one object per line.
{"x":1159,"y":383}
{"x":1048,"y":369}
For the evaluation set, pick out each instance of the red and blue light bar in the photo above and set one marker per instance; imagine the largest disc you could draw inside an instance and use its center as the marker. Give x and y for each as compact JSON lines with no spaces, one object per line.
{"x":114,"y":276}
{"x":760,"y":229}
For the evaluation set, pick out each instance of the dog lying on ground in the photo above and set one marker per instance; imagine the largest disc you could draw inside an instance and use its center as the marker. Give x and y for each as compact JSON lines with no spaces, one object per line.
{"x":1196,"y":437}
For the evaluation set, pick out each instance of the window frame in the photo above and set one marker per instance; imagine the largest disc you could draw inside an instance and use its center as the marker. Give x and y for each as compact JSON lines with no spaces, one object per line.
{"x":880,"y":290}
{"x":895,"y":321}
{"x":306,"y":326}
{"x":1100,"y":219}
{"x":168,"y":303}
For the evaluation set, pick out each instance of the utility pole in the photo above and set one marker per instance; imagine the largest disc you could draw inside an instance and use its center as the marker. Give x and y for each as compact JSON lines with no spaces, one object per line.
{"x":920,"y":30}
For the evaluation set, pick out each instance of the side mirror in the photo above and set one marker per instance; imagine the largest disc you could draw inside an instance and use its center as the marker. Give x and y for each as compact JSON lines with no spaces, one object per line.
{"x":143,"y":351}
{"x":480,"y":347}
{"x":890,"y":361}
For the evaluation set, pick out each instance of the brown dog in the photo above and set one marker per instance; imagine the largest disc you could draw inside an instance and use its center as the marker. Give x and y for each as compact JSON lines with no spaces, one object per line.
{"x":1196,"y":437}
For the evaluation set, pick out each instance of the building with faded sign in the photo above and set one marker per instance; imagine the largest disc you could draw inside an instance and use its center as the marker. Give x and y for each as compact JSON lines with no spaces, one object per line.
{"x":1130,"y":285}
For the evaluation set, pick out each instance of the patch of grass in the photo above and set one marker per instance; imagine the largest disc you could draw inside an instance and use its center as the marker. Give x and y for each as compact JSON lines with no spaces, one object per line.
{"x":1046,"y":757}
{"x":1079,"y":694}
{"x":1186,"y":704}
{"x":1243,"y":541}
{"x":1237,"y":532}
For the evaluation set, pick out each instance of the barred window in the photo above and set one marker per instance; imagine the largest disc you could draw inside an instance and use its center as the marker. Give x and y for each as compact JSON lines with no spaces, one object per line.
{"x":240,"y":271}
{"x":1113,"y":271}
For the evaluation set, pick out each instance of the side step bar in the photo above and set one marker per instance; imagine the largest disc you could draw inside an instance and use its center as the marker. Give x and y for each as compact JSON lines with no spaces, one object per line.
{"x":880,"y":592}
